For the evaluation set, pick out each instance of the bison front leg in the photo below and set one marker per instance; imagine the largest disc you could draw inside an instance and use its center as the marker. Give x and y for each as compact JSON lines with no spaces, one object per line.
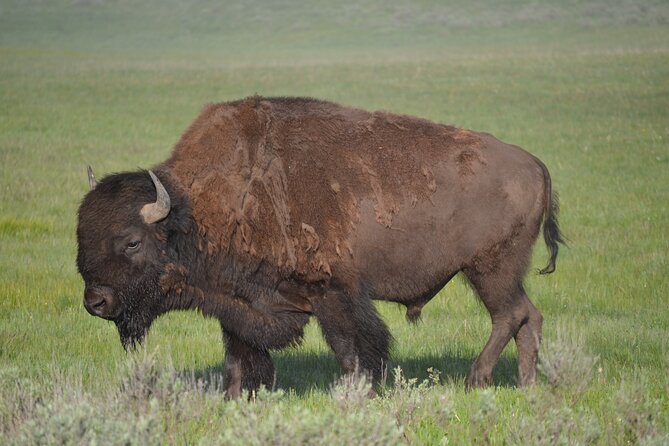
{"x":245,"y":368}
{"x":354,"y":331}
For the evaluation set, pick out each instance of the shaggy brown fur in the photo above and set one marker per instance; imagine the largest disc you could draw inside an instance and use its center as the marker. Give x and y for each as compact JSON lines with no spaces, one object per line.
{"x":282,"y":179}
{"x":284,"y":208}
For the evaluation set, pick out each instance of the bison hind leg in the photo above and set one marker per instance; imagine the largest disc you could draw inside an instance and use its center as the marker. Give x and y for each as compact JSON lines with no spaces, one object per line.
{"x":512,"y":315}
{"x":528,"y":340}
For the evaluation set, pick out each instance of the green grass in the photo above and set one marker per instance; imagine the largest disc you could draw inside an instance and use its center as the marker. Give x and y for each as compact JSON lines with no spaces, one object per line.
{"x":583,"y":85}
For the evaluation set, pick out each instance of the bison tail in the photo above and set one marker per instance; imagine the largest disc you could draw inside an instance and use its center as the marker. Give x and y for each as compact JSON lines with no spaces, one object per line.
{"x":552,"y":234}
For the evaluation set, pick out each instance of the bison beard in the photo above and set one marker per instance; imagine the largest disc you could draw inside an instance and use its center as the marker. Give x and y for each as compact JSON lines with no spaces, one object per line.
{"x":141,"y":300}
{"x":274,"y":210}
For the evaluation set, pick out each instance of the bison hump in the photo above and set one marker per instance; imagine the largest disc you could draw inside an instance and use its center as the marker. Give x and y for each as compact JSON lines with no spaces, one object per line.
{"x":282,"y":180}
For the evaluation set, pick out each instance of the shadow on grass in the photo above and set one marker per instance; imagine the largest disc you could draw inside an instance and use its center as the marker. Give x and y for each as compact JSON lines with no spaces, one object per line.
{"x":306,"y":372}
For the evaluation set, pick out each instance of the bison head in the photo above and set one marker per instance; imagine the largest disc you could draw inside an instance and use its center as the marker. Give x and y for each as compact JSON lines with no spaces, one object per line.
{"x":122,"y":250}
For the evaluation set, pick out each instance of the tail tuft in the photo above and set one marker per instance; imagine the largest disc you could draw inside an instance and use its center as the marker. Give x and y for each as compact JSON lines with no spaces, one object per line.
{"x":552,"y":234}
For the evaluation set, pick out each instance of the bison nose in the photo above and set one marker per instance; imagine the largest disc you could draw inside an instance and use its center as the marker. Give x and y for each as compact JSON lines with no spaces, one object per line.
{"x":99,"y":301}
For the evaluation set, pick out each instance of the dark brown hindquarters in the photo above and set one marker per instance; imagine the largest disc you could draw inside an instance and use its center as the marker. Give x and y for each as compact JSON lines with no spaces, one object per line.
{"x":497,"y":276}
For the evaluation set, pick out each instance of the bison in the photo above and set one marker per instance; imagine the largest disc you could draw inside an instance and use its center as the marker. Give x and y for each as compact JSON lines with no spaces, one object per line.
{"x":273,"y":210}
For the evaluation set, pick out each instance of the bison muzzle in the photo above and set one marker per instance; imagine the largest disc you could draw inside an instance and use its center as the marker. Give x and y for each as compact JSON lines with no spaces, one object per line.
{"x":273,"y":210}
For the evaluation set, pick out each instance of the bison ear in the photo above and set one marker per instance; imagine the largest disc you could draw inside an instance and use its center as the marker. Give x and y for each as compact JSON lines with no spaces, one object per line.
{"x":92,"y":183}
{"x":154,"y":212}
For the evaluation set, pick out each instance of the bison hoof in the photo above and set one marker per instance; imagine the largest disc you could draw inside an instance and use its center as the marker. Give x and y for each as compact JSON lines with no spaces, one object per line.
{"x":477,"y":380}
{"x":528,"y":379}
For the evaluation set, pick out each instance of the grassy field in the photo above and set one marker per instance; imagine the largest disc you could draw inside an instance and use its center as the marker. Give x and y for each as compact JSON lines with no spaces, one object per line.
{"x":582,"y":85}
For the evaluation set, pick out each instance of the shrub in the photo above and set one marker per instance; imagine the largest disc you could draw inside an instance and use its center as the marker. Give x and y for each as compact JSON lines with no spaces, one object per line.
{"x":154,"y":405}
{"x":565,"y":363}
{"x":270,"y":419}
{"x":352,"y":390}
{"x":551,"y":421}
{"x":413,"y":404}
{"x":640,"y":413}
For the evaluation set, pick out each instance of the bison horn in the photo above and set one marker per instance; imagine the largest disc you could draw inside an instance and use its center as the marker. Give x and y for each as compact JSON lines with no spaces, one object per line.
{"x":154,"y":212}
{"x":92,"y":183}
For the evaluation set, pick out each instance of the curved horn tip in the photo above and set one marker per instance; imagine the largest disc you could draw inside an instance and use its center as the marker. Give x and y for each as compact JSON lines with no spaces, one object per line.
{"x":154,"y":212}
{"x":155,"y":179}
{"x":92,"y":182}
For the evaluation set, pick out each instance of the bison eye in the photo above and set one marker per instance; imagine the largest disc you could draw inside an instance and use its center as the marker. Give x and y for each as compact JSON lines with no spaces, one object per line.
{"x":133,"y":245}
